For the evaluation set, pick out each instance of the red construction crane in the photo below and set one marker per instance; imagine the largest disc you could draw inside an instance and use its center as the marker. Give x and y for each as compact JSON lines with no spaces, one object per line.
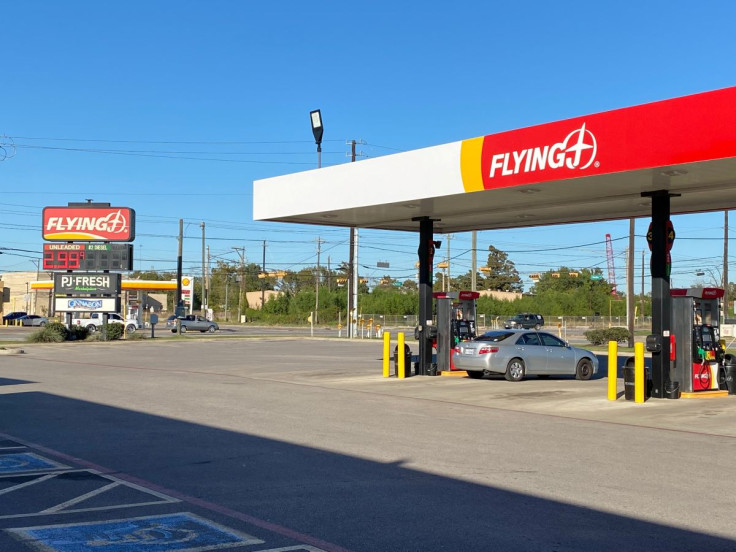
{"x":611,"y":269}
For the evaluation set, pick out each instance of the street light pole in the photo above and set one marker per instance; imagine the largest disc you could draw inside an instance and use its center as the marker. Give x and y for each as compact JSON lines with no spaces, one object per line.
{"x":317,"y":130}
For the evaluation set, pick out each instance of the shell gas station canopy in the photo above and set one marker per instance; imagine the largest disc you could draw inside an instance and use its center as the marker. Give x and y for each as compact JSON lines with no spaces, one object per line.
{"x":589,"y":168}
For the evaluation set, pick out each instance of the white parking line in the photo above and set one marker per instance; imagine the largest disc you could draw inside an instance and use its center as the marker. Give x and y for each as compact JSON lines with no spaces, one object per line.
{"x":79,"y":499}
{"x":64,"y":507}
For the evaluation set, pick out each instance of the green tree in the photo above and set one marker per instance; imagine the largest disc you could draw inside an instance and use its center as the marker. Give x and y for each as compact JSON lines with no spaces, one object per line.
{"x":499,"y":273}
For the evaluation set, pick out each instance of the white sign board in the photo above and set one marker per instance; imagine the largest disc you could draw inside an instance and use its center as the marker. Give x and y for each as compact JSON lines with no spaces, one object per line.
{"x":86,"y":304}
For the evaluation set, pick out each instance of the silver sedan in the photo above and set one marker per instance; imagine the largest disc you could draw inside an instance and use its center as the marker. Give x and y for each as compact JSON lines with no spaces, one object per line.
{"x":519,"y":353}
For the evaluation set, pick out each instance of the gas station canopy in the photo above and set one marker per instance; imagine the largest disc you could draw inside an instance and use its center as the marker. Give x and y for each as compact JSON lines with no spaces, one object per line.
{"x":589,"y":168}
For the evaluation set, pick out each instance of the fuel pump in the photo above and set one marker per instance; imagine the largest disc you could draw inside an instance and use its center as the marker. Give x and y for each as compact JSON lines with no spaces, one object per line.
{"x":698,"y":350}
{"x":455,"y":323}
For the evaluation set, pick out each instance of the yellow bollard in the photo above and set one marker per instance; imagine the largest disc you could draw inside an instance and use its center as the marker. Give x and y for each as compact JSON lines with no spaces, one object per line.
{"x":386,"y":354}
{"x":401,"y":369}
{"x":612,"y":369}
{"x":638,"y":372}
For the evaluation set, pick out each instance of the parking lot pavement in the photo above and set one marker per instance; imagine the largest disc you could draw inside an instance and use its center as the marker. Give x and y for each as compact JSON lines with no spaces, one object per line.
{"x":303,"y":445}
{"x":54,"y":502}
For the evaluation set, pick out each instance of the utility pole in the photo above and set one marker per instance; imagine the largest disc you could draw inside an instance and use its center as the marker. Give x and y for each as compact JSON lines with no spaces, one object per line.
{"x":241,"y":253}
{"x":356,"y":282}
{"x":449,"y":286}
{"x":351,"y":263}
{"x":725,"y":266}
{"x":207,"y":281}
{"x":630,"y":283}
{"x":263,"y":280}
{"x":316,"y":282}
{"x":642,"y":283}
{"x":177,"y":307}
{"x":203,"y":306}
{"x":473,"y":261}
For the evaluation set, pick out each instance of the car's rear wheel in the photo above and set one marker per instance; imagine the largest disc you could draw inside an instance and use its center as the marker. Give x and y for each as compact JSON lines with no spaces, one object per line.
{"x":42,"y":324}
{"x":91,"y":328}
{"x":473,"y":374}
{"x":211,"y":329}
{"x":537,"y":326}
{"x":183,"y":329}
{"x":584,"y":369}
{"x":515,"y":370}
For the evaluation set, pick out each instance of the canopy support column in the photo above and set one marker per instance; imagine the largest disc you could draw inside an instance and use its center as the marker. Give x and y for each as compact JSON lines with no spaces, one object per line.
{"x":661,"y":300}
{"x":426,"y":254}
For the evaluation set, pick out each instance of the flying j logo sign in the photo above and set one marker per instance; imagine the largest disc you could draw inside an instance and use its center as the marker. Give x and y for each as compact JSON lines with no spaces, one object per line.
{"x":89,"y":224}
{"x":655,"y":135}
{"x":522,"y":157}
{"x":567,"y":153}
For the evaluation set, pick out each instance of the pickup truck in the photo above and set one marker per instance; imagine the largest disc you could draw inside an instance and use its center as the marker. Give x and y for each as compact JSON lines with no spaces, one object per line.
{"x":95,"y":321}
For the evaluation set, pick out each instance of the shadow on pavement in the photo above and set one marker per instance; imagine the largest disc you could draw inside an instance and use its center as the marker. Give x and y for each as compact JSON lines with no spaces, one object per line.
{"x":9,"y":381}
{"x":358,"y":504}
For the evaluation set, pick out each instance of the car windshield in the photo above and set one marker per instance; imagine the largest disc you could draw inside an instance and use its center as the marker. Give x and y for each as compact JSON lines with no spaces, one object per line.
{"x":495,"y":336}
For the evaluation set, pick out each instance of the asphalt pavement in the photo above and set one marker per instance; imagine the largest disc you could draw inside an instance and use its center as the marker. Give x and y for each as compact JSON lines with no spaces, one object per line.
{"x":290,"y":443}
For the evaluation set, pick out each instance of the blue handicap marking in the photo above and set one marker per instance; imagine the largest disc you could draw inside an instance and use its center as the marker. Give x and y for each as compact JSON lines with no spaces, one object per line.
{"x":24,"y":462}
{"x":182,"y":532}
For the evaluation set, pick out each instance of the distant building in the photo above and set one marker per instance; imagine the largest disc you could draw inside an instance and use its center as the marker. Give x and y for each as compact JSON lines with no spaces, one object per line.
{"x":501,"y":295}
{"x":17,"y":294}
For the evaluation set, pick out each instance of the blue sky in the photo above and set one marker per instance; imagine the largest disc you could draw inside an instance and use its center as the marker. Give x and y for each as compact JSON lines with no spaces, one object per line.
{"x":174,"y":108}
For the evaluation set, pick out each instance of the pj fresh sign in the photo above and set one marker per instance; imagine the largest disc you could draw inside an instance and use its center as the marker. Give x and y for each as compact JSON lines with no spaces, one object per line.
{"x":87,"y":283}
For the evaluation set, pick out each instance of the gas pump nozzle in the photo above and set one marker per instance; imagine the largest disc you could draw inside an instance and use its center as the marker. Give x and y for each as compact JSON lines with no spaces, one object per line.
{"x":654,"y":343}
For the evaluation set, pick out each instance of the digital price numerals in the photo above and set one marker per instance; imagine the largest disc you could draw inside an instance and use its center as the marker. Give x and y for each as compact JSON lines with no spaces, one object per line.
{"x":83,"y":256}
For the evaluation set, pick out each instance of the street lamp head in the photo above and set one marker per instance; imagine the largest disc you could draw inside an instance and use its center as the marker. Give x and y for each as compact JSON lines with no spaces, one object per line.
{"x":317,"y":128}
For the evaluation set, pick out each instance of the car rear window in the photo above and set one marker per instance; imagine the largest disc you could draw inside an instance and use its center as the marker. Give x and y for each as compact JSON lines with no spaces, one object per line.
{"x":495,"y":336}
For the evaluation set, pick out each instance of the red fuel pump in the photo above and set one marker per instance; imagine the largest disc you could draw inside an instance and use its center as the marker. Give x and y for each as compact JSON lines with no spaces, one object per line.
{"x":698,"y":354}
{"x":456,"y":312}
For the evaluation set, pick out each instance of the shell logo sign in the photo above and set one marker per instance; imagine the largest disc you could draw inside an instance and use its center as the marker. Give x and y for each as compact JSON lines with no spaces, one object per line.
{"x":187,"y":290}
{"x":111,"y":224}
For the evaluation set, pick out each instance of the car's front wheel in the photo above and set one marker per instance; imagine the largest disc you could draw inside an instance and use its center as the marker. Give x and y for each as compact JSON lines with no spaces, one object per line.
{"x":183,"y":329}
{"x":515,"y":370}
{"x":472,"y":374}
{"x":584,"y":369}
{"x":91,"y":328}
{"x":537,"y":326}
{"x":42,"y":324}
{"x":211,"y":329}
{"x":130,"y":328}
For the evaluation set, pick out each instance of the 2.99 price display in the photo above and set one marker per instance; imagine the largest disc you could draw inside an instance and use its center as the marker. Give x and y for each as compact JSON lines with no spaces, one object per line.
{"x":80,"y":256}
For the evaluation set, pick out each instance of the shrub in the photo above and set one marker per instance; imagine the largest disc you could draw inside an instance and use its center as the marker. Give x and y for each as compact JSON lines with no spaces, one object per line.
{"x":111,"y":332}
{"x":78,"y":333}
{"x":601,"y":336}
{"x":53,"y":332}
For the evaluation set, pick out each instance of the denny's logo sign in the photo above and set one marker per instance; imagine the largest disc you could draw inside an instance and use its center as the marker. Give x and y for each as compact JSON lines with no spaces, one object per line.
{"x":114,"y":224}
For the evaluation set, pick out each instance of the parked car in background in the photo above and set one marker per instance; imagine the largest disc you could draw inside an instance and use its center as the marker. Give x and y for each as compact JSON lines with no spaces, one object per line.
{"x":34,"y":320}
{"x":11,"y":316}
{"x":192,"y":322}
{"x":94,"y":321}
{"x":520,"y":353}
{"x":525,"y":320}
